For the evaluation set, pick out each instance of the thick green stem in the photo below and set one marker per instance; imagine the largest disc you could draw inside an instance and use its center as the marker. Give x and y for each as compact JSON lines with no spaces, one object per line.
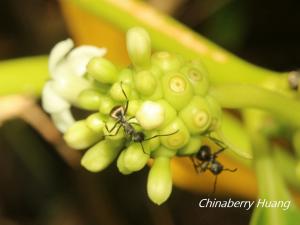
{"x":23,"y":76}
{"x":249,"y":96}
{"x":168,"y":34}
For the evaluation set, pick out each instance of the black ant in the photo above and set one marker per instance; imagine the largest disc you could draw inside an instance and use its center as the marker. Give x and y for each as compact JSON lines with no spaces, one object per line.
{"x":119,"y":114}
{"x":206,"y":160}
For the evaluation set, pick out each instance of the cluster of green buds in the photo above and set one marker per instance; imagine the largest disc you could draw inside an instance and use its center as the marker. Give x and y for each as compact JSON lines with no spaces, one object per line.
{"x":167,"y":99}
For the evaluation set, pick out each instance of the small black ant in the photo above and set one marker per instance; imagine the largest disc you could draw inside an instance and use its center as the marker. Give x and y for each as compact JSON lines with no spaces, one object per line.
{"x":206,"y":160}
{"x":119,"y":114}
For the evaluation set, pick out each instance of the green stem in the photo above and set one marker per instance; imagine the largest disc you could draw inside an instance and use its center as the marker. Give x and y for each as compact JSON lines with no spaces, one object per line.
{"x":23,"y":76}
{"x":270,"y":181}
{"x":168,"y":34}
{"x":249,"y":96}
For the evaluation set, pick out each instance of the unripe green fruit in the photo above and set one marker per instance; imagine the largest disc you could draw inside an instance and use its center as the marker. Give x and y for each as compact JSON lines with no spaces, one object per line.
{"x":178,"y":135}
{"x":192,"y":147}
{"x":145,"y":82}
{"x":80,"y":136}
{"x":196,"y":115}
{"x":197,"y":76}
{"x":134,"y":158}
{"x":89,"y":99}
{"x":96,"y":122}
{"x":101,"y":155}
{"x":177,"y":89}
{"x":102,"y":70}
{"x":139,"y":47}
{"x":166,"y":61}
{"x":159,"y":185}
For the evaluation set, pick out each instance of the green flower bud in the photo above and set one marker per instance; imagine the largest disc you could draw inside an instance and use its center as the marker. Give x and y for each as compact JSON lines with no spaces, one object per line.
{"x":117,"y":94}
{"x":192,"y":147}
{"x":115,"y":134}
{"x":166,"y":61}
{"x":198,"y":77}
{"x":196,"y":115}
{"x":89,"y":99}
{"x":139,"y":47}
{"x":80,"y":136}
{"x":134,"y":158}
{"x":153,"y":143}
{"x":150,"y":115}
{"x":158,"y":92}
{"x":174,"y":140}
{"x":169,"y":112}
{"x":177,"y":90}
{"x":96,"y":122}
{"x":69,"y":86}
{"x":126,"y":76}
{"x":216,"y":113}
{"x":101,"y":155}
{"x":106,"y":105}
{"x":162,"y":151}
{"x":102,"y":70}
{"x":100,"y":87}
{"x":159,"y":185}
{"x":133,"y":107}
{"x":145,"y":82}
{"x":121,"y":165}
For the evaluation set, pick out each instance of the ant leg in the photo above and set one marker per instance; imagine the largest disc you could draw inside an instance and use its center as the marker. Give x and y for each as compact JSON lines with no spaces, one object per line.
{"x":219,"y":151}
{"x":117,"y":131}
{"x":161,"y":135}
{"x":217,"y":141}
{"x":215,"y":185}
{"x":143,"y":148}
{"x":127,"y":101}
{"x":134,"y":123}
{"x":114,"y":126}
{"x":196,"y":166}
{"x":230,"y":170}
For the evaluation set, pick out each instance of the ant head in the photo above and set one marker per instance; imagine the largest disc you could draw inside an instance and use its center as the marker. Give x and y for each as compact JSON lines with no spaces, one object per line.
{"x":204,"y":154}
{"x":117,"y":112}
{"x":138,"y":136}
{"x":216,"y":168}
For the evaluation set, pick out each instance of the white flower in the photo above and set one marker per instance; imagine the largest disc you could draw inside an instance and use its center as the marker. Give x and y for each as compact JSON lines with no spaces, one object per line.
{"x":67,"y":67}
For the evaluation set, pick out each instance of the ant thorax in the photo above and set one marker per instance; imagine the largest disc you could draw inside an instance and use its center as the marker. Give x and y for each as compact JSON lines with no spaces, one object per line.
{"x":117,"y":112}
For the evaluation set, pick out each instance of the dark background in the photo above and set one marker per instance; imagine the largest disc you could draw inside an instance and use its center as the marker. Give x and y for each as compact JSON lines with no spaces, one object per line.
{"x":37,"y":187}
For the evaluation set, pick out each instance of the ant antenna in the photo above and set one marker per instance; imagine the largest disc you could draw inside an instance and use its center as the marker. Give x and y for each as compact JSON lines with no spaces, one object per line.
{"x":161,"y":135}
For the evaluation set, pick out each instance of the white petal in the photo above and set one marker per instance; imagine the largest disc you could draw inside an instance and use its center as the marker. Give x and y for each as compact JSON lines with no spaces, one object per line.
{"x":80,"y":56}
{"x":63,"y":120}
{"x":69,"y":86}
{"x":58,"y":52}
{"x":51,"y":101}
